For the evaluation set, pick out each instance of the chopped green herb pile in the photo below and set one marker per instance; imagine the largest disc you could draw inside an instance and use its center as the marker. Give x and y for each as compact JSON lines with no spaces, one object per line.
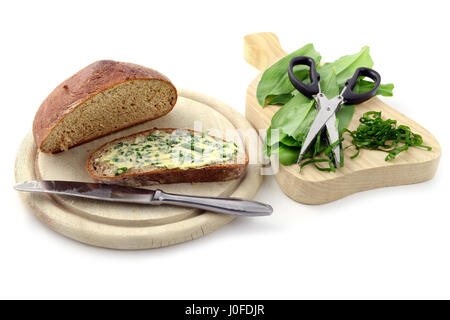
{"x":374,"y":133}
{"x":291,"y":123}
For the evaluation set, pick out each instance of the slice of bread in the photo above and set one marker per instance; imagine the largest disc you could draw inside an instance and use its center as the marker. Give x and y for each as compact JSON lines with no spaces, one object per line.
{"x":168,"y":155}
{"x":102,"y":98}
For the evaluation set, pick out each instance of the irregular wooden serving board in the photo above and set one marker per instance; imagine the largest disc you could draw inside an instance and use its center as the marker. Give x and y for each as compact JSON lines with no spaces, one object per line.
{"x":368,"y":171}
{"x":128,"y":226}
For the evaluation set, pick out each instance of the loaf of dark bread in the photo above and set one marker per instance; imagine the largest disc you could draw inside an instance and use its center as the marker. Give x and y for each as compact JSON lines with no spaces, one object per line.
{"x":102,"y":98}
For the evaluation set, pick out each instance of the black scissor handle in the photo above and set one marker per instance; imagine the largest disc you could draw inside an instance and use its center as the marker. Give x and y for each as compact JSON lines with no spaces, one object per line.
{"x":308,"y":90}
{"x":354,"y":98}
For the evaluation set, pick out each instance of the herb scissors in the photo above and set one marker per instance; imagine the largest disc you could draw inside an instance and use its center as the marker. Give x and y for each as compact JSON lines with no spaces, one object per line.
{"x":327,"y":108}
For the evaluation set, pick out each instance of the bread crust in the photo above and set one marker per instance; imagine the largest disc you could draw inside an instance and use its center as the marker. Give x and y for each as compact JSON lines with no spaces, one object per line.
{"x":164,"y":176}
{"x":84,"y":85}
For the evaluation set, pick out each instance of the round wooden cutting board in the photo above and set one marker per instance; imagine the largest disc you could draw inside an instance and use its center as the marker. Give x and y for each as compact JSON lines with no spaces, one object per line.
{"x":128,"y":226}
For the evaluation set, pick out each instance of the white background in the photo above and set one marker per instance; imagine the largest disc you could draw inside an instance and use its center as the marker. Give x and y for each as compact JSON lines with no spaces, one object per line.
{"x":386,"y":243}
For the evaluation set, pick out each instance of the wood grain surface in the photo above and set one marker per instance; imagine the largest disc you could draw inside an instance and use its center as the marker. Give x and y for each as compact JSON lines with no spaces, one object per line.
{"x":368,"y":171}
{"x":128,"y":226}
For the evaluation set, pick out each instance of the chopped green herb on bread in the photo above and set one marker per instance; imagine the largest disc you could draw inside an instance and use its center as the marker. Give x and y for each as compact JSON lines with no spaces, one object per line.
{"x":167,"y":156}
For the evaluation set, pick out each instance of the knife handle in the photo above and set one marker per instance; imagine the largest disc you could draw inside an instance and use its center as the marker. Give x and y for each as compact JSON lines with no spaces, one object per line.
{"x":234,"y":206}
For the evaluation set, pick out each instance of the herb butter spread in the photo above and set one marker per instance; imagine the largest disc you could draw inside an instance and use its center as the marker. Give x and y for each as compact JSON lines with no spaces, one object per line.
{"x":168,"y":150}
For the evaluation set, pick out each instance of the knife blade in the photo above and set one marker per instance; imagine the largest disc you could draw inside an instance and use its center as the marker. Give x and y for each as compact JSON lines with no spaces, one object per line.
{"x":117,"y":193}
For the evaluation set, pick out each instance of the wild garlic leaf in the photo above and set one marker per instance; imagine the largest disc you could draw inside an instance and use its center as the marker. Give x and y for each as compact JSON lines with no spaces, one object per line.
{"x":328,"y":83}
{"x":344,"y":116}
{"x":275,"y":80}
{"x":290,"y":141}
{"x":287,"y":155}
{"x":289,"y":119}
{"x":281,"y":99}
{"x":272,"y":141}
{"x":383,"y":90}
{"x":346,"y":66}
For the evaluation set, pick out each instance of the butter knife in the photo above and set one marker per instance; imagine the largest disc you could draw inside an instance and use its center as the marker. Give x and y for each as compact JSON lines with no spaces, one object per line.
{"x":116,"y":193}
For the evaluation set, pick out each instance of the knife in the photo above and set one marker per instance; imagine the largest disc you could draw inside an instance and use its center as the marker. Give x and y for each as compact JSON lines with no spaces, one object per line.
{"x":116,"y":193}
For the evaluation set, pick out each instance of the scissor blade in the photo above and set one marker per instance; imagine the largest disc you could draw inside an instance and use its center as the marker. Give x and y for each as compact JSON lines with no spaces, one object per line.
{"x":323,"y":115}
{"x":333,"y":136}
